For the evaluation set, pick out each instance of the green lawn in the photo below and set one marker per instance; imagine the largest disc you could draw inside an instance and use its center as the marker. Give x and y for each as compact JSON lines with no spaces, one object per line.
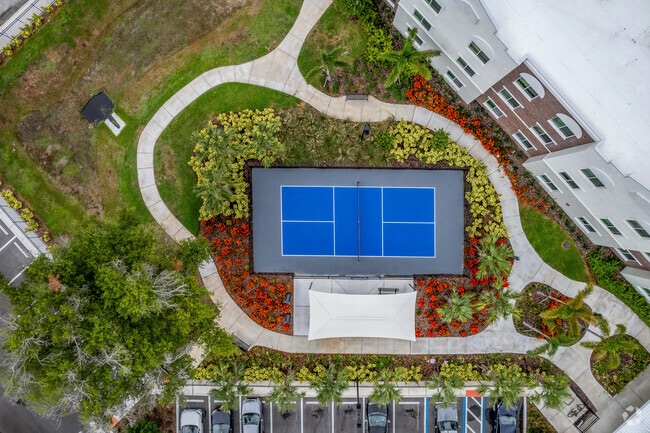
{"x":65,"y":170}
{"x":548,"y":238}
{"x":175,"y":177}
{"x":333,"y":30}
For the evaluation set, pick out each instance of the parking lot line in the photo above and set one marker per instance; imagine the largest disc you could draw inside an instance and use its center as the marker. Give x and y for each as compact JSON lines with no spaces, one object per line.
{"x":332,"y":422}
{"x":3,"y":230}
{"x":21,"y":250}
{"x":194,"y":401}
{"x":16,"y":277}
{"x":302,"y":418}
{"x":409,"y":402}
{"x":394,"y":416}
{"x":8,"y":243}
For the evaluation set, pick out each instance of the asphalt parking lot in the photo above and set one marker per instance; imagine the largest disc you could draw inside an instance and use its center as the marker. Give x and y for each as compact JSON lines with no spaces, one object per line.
{"x":411,"y":415}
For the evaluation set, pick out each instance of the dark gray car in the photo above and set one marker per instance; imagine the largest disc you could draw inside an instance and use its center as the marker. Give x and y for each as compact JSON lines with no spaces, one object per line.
{"x":221,"y":421}
{"x":377,"y":418}
{"x":506,"y":418}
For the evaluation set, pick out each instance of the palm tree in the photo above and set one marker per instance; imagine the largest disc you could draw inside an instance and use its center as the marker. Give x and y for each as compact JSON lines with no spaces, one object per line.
{"x":444,"y":390}
{"x":285,"y":395}
{"x":330,"y":62}
{"x":408,"y":61}
{"x":499,"y":304}
{"x":457,"y":307}
{"x":552,"y":344}
{"x":554,"y":391}
{"x":385,"y":390}
{"x":575,"y":312}
{"x":610,"y":347}
{"x":495,"y":259}
{"x":330,"y":386}
{"x":228,"y":385}
{"x":508,"y":383}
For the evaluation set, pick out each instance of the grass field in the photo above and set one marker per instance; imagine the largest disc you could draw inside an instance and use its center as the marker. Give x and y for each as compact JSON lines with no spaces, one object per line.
{"x":140,"y":53}
{"x":549,"y":239}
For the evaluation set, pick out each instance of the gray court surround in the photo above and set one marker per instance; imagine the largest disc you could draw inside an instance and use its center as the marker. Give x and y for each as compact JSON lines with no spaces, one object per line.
{"x":449,"y":222}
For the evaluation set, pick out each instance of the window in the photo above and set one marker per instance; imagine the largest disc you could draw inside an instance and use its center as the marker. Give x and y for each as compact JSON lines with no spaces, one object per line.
{"x":638,"y":228}
{"x":521,"y":138}
{"x":465,"y":67}
{"x":611,"y":227}
{"x":562,"y":127}
{"x":542,"y":135}
{"x":479,"y":52}
{"x":587,"y":225}
{"x":454,"y":79}
{"x":549,"y":183}
{"x":434,"y":5}
{"x":507,"y":96}
{"x":628,"y":255}
{"x":592,"y":177}
{"x":494,"y":108}
{"x":417,"y":40}
{"x":423,"y":21}
{"x":525,"y":87}
{"x":569,"y":181}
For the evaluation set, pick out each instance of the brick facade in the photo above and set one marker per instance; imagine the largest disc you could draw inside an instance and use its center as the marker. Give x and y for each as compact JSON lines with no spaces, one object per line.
{"x":530,"y":112}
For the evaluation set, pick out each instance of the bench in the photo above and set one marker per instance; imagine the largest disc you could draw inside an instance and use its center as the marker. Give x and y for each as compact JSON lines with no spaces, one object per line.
{"x":391,"y":290}
{"x":356,"y":97}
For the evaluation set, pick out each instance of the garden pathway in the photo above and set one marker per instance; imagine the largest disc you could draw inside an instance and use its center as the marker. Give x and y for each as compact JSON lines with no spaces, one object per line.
{"x":278,"y":70}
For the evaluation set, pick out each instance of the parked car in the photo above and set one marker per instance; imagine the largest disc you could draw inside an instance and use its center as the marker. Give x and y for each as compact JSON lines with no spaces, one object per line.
{"x":192,"y":421}
{"x":506,"y":419}
{"x":446,"y":418}
{"x":377,"y":418}
{"x":221,"y":421}
{"x":252,"y":415}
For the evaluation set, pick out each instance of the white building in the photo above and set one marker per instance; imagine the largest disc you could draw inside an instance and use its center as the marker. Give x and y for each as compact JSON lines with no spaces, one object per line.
{"x":568,"y":80}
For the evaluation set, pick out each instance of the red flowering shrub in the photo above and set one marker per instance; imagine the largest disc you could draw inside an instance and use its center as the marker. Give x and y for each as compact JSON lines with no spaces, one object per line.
{"x":260,"y":296}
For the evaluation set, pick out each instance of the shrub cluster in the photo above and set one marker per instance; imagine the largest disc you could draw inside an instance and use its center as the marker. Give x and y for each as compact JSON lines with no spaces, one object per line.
{"x":26,"y":214}
{"x":221,"y":152}
{"x":429,"y":147}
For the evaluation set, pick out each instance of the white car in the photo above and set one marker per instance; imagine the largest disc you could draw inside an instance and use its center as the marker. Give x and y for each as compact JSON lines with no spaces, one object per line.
{"x":446,"y":418}
{"x":191,"y":421}
{"x":252,"y":415}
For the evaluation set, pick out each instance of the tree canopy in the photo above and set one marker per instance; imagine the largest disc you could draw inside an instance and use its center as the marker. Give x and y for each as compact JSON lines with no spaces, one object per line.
{"x":111,"y":316}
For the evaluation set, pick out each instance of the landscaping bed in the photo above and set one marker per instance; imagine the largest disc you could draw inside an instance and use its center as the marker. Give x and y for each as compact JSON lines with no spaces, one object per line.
{"x":537,"y":298}
{"x":537,"y":423}
{"x":633,"y":362}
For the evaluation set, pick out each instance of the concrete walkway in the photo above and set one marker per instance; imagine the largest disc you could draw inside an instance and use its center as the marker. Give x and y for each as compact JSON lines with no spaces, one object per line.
{"x":278,"y":70}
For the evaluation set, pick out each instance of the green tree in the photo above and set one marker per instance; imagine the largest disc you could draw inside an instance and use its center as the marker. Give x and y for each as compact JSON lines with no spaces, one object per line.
{"x":610,"y":347}
{"x":494,"y":259}
{"x":499,"y":304}
{"x":330,"y":61}
{"x":554,"y":391}
{"x":552,"y":344}
{"x":408,"y":61}
{"x":330,"y":385}
{"x":458,"y":307}
{"x":507,"y":383}
{"x":143,"y":426}
{"x":229,"y":384}
{"x":285,"y":395}
{"x":575,"y":312}
{"x":105,"y":319}
{"x":444,"y":389}
{"x":385,"y":390}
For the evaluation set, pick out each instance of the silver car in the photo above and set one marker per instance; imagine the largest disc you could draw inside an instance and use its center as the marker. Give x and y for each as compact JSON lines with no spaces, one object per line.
{"x":252,"y":416}
{"x":446,"y":418}
{"x":192,"y":421}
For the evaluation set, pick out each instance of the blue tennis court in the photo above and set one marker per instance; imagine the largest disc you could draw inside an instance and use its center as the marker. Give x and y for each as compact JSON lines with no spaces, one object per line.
{"x":357,"y":221}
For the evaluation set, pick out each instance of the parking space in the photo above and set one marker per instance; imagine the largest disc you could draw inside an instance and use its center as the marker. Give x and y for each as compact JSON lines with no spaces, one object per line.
{"x":14,"y":257}
{"x":198,"y":402}
{"x":409,"y":416}
{"x":473,"y":414}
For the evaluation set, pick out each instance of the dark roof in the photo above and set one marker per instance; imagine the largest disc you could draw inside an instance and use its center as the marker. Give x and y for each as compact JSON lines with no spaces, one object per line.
{"x":98,"y":108}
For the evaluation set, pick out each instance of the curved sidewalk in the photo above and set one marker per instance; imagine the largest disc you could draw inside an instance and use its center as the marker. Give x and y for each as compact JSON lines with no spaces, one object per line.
{"x":278,"y":70}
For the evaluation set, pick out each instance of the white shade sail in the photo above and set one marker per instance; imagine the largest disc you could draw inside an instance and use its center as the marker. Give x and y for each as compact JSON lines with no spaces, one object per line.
{"x":335,"y":315}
